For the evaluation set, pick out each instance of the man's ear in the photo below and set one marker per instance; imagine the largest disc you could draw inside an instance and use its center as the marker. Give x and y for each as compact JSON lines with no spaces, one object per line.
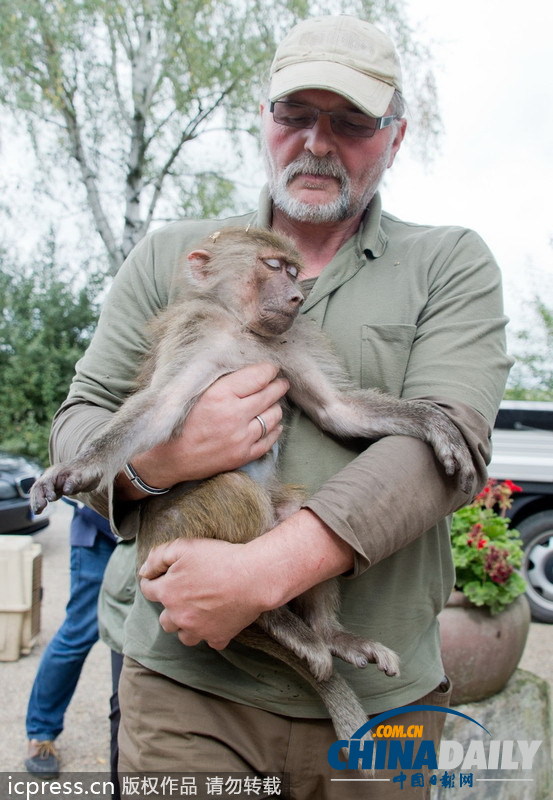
{"x":398,"y":139}
{"x":198,"y":265}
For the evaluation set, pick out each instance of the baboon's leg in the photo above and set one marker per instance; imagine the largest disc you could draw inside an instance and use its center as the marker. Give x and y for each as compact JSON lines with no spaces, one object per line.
{"x":145,"y":419}
{"x":319,"y":608}
{"x":230,"y":506}
{"x":289,"y":630}
{"x":323,"y":393}
{"x":345,"y":709}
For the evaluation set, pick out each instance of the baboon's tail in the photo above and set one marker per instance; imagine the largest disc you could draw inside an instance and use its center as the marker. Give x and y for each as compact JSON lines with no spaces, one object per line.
{"x":345,"y":710}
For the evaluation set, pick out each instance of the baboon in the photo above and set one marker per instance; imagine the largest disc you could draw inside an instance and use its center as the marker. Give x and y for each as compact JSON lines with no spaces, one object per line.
{"x":239,"y":305}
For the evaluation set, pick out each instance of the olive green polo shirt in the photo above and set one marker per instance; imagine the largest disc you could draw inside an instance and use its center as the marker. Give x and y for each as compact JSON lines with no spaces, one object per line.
{"x":413,"y":310}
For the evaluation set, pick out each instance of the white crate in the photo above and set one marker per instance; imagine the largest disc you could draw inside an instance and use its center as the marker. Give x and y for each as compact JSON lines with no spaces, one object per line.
{"x":20,"y":595}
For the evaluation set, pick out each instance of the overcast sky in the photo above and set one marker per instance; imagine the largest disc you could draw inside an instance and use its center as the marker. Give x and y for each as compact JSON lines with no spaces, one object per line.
{"x":494,"y":67}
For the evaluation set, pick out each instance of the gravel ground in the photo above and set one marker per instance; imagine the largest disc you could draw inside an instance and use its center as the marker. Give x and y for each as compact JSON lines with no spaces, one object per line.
{"x":84,"y":744}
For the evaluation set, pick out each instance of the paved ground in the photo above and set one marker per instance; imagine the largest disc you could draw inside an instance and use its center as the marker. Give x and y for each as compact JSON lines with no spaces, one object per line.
{"x":84,"y":744}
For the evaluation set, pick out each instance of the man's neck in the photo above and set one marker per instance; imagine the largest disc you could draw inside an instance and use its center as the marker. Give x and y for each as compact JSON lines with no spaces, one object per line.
{"x":317,"y":243}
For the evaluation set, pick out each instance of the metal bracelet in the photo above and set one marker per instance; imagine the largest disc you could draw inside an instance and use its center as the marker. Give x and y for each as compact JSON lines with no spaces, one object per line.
{"x":137,"y":481}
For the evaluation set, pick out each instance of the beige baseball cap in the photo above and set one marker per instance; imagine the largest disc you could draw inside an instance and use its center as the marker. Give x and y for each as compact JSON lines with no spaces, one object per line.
{"x":342,"y":54}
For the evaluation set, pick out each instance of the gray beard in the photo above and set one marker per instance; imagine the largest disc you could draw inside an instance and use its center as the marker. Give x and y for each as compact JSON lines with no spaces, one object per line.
{"x":341,"y":208}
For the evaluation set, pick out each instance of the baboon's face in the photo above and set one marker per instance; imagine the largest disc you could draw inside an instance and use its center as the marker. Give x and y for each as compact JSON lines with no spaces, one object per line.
{"x":252,"y":274}
{"x":270,"y":296}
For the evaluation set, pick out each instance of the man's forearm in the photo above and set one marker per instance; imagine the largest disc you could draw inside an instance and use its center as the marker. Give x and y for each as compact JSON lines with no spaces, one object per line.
{"x":302,"y":551}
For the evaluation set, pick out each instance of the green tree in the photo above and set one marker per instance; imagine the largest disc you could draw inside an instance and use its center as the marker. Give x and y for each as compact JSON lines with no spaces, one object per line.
{"x":532,"y":375}
{"x":46,"y":323}
{"x":115,"y":92}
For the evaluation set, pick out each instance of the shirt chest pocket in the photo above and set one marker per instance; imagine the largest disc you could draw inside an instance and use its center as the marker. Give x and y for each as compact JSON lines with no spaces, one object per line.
{"x":385,"y":351}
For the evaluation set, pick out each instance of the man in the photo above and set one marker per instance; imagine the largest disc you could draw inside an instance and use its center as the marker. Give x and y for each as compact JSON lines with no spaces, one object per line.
{"x":413,"y":310}
{"x":92,"y":543}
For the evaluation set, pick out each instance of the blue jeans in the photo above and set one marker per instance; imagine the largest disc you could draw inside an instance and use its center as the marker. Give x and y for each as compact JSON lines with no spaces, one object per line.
{"x":63,"y":659}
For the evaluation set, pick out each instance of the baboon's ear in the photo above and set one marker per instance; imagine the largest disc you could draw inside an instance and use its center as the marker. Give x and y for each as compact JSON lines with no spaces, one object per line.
{"x":198,"y":264}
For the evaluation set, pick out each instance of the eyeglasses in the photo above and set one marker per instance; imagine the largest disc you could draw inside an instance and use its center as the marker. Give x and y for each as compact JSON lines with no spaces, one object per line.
{"x":343,"y":123}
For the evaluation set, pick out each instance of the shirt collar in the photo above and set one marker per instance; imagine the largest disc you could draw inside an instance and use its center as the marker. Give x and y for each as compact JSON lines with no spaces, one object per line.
{"x":370,"y":237}
{"x":373,"y":240}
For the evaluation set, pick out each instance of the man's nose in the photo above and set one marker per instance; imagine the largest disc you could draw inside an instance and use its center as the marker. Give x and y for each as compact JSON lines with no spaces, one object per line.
{"x":320,"y":139}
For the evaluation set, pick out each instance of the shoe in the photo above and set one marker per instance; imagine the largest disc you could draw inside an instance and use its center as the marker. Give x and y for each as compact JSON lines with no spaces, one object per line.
{"x":43,"y":759}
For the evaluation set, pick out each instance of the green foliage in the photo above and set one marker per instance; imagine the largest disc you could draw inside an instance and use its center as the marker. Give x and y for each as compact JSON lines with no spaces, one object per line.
{"x":209,"y":196}
{"x":532,"y":375}
{"x":486,"y":552}
{"x":45,"y":326}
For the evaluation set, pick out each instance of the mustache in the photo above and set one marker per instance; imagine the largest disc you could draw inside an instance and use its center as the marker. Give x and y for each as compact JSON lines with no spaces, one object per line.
{"x":315,"y":165}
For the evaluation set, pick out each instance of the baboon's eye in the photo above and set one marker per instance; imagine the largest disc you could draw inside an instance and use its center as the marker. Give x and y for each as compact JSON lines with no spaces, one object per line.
{"x":292,"y":270}
{"x":279,"y":263}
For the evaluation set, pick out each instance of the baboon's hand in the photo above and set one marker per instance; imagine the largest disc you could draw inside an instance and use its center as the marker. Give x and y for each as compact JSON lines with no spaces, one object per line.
{"x":62,"y":479}
{"x":450,"y":448}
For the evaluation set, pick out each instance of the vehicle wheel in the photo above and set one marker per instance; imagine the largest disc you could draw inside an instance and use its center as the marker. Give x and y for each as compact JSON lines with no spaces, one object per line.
{"x":537,"y":568}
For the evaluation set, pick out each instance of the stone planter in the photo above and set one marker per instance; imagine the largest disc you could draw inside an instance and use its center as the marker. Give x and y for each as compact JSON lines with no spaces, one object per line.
{"x":481,"y":651}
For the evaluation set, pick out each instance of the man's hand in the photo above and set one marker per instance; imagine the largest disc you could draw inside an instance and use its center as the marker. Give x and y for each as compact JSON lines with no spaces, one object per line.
{"x":206,"y":588}
{"x":221,"y":432}
{"x":211,"y":590}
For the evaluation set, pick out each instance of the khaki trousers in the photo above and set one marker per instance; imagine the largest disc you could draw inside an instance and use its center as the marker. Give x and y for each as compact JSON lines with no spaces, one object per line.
{"x":169,"y":728}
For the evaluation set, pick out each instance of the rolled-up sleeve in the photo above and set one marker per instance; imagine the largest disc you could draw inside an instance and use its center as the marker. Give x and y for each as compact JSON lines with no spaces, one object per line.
{"x":396,"y":490}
